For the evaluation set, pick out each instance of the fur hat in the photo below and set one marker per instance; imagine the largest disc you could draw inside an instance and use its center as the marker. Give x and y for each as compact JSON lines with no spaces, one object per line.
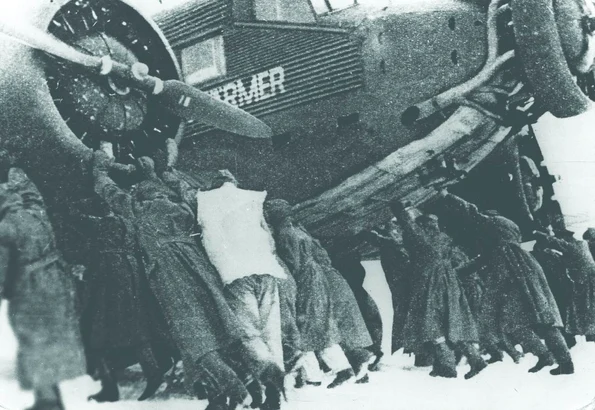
{"x":427,"y":218}
{"x":563,"y":233}
{"x":154,"y":188}
{"x":8,"y":199}
{"x":589,"y":234}
{"x":223,"y":176}
{"x":277,"y":210}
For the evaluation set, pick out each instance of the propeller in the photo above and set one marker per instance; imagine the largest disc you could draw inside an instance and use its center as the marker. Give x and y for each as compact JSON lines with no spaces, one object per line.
{"x":176,"y":96}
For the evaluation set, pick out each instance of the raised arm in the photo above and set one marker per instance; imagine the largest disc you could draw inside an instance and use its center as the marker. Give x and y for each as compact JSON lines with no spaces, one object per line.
{"x":554,"y":243}
{"x":20,"y":182}
{"x":375,"y":238}
{"x":459,"y":208}
{"x":290,"y":250}
{"x":414,"y":239}
{"x":180,"y":186}
{"x":119,"y":201}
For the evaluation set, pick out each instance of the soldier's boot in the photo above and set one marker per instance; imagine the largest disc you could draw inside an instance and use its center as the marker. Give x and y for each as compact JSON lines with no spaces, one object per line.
{"x":221,"y":382}
{"x":474,"y":358}
{"x":109,"y":384}
{"x":360,"y":360}
{"x":48,"y":399}
{"x":152,"y":371}
{"x":532,"y":343}
{"x":444,"y":361}
{"x":512,"y":352}
{"x":508,"y":346}
{"x":496,"y":355}
{"x":345,"y":364}
{"x":424,"y":358}
{"x":570,"y":340}
{"x":557,"y":345}
{"x":375,"y":366}
{"x":255,"y":390}
{"x":341,"y":378}
{"x":273,"y":379}
{"x":546,"y":359}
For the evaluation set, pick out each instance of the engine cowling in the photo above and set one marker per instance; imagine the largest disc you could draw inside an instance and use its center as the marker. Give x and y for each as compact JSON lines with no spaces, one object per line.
{"x":54,"y":114}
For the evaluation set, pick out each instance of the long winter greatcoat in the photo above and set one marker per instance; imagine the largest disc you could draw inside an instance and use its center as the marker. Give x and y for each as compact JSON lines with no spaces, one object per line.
{"x":556,"y":274}
{"x":438,"y":306}
{"x":180,"y":275}
{"x":516,"y":292}
{"x":115,"y":315}
{"x":580,"y":316}
{"x":327,"y":311}
{"x":42,"y":295}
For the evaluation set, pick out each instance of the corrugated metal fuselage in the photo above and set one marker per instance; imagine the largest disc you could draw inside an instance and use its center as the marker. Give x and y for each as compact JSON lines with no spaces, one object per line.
{"x":332,"y":91}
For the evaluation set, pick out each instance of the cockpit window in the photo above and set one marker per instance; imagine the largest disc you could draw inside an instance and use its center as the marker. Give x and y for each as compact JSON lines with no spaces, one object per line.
{"x":203,"y":61}
{"x":326,"y":6}
{"x":289,"y":11}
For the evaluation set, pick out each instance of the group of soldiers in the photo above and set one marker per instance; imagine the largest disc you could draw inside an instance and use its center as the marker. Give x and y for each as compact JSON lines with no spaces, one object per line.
{"x":225,"y":281}
{"x":486,"y":294}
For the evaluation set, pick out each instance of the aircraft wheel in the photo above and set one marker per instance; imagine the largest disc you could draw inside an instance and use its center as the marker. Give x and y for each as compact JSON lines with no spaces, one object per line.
{"x":545,"y":42}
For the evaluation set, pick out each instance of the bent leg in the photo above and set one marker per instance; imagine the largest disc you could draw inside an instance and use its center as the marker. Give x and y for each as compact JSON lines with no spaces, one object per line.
{"x":444,"y":360}
{"x":532,"y":343}
{"x":557,"y":344}
{"x":241,"y":296}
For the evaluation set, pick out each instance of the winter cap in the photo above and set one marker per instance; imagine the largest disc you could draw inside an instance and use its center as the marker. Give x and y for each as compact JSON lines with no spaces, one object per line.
{"x":277,"y":210}
{"x":589,"y":234}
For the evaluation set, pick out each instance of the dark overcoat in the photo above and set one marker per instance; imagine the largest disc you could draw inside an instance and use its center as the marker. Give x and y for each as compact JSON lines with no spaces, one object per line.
{"x":438,"y":307}
{"x":580,"y":313}
{"x":327,"y":310}
{"x":184,"y":282}
{"x":42,"y":294}
{"x":516,"y":292}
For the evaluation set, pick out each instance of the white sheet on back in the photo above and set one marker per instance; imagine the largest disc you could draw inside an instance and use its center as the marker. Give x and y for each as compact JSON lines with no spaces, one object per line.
{"x":235,"y":234}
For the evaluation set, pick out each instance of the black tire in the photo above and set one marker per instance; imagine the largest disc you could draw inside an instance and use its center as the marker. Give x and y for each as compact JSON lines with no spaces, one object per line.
{"x":539,"y":47}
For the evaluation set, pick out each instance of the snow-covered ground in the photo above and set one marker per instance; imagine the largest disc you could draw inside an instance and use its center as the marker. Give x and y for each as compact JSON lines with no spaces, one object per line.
{"x":399,"y":385}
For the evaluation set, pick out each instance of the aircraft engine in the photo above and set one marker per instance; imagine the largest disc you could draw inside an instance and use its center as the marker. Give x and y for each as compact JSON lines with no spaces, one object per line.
{"x":57,"y":111}
{"x":557,"y":48}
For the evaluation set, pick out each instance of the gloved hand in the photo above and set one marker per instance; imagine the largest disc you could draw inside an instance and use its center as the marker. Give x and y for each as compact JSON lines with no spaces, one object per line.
{"x":101,"y":161}
{"x":397,"y":207}
{"x":172,"y":152}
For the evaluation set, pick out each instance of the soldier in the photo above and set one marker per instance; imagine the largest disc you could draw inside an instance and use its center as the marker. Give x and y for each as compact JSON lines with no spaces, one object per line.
{"x":121,"y":322}
{"x":239,"y":244}
{"x":314,"y":309}
{"x":182,"y":279}
{"x":325,"y":298}
{"x":351,"y":268}
{"x":518,"y":300}
{"x":580,"y":314}
{"x":439,"y":313}
{"x":41,"y":294}
{"x":397,"y":269}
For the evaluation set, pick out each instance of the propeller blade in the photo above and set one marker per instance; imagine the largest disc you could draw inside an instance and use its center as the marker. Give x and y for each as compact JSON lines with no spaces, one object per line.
{"x":36,"y":38}
{"x":183,"y":100}
{"x":193,"y":104}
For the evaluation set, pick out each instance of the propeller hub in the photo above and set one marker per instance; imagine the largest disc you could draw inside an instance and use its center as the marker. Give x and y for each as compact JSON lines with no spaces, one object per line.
{"x":106,"y":101}
{"x":105,"y":107}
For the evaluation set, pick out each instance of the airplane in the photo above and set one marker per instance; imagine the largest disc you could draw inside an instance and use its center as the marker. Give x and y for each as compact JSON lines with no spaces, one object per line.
{"x":365,"y":104}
